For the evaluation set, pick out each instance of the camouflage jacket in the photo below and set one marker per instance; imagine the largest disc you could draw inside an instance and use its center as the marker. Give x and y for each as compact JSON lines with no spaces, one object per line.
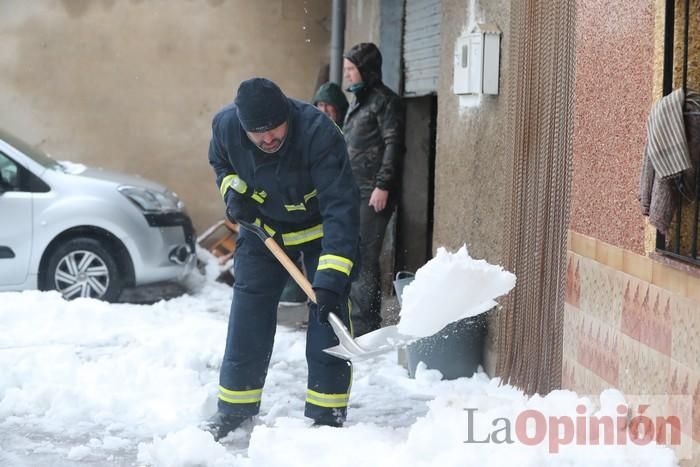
{"x":374,"y":134}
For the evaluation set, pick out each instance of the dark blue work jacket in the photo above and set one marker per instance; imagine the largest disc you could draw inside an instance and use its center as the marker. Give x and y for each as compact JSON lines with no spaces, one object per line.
{"x":305,"y":190}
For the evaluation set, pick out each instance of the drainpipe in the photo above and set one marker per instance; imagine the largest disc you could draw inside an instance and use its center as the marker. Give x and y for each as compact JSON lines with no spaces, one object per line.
{"x":337,"y":41}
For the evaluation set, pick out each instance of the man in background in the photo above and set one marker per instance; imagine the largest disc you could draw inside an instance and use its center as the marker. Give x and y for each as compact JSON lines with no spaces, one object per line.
{"x":331,"y":100}
{"x":374,"y":133}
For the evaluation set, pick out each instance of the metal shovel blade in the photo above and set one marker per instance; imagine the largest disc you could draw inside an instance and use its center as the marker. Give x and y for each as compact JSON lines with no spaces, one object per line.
{"x":366,"y":346}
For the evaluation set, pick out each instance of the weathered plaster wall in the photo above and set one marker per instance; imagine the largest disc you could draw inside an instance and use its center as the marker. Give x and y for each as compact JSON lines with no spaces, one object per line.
{"x":473,"y":170}
{"x":362,"y":20}
{"x":133,"y":85}
{"x":614,"y":84}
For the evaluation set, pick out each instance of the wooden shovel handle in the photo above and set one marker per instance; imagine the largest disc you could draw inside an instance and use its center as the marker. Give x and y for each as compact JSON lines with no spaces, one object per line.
{"x":292,"y":268}
{"x":282,"y":257}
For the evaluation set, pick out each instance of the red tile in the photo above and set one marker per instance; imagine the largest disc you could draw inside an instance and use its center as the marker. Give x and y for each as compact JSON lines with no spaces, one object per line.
{"x":573,"y":282}
{"x":656,"y":324}
{"x":631,"y":309}
{"x":598,"y":350}
{"x":683,"y":383}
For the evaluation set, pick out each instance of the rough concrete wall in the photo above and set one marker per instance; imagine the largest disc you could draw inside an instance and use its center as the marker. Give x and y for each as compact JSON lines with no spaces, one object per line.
{"x":473,"y":170}
{"x":614,"y":84}
{"x":133,"y":85}
{"x":362,"y":20}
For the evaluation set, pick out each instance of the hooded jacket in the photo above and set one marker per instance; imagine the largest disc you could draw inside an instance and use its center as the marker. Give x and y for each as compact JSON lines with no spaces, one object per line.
{"x":332,"y":94}
{"x":374,"y":126}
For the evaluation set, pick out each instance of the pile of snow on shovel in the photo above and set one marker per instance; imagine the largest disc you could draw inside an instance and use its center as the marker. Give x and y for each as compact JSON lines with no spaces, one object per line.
{"x":450,"y":287}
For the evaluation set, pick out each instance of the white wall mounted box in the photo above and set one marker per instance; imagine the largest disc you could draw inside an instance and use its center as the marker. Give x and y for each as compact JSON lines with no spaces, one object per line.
{"x":477,"y":61}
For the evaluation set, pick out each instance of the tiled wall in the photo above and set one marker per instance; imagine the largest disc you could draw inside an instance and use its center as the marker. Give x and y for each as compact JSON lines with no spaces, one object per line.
{"x":632,"y":323}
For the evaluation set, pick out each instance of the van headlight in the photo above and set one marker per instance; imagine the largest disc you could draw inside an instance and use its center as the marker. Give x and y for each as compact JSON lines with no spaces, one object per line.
{"x":152,"y":201}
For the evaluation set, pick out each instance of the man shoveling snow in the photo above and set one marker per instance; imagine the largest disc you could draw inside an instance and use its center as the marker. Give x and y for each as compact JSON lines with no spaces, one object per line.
{"x":283,"y":165}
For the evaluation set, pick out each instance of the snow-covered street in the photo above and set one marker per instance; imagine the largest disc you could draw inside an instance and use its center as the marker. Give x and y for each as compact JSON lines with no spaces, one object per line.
{"x":91,"y":383}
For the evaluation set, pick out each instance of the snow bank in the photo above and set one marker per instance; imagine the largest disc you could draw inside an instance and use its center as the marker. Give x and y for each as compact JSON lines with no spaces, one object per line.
{"x":90,"y":383}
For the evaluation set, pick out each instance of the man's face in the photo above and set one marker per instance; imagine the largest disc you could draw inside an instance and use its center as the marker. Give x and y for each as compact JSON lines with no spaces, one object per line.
{"x":351,"y":74}
{"x":269,"y":141}
{"x":328,"y":109}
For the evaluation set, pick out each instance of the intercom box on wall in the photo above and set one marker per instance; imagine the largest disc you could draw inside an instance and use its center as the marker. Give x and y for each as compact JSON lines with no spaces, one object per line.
{"x":477,"y":61}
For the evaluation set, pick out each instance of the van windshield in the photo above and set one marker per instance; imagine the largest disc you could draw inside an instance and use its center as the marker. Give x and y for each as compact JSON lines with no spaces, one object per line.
{"x":36,"y":154}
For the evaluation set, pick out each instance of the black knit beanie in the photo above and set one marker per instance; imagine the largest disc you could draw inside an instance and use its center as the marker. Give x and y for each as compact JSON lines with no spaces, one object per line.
{"x":261,"y":105}
{"x":332,"y":94}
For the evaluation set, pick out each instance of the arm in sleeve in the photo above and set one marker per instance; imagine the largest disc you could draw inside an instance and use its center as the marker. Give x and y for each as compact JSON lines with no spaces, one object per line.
{"x":392,"y":127}
{"x":227,"y":180}
{"x":339,"y":201}
{"x":218,"y":161}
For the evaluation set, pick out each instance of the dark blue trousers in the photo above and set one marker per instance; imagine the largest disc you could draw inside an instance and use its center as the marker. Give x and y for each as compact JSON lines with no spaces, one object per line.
{"x":259,"y":281}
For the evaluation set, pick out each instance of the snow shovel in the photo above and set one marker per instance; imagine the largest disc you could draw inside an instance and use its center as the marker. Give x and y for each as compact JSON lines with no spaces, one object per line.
{"x":371,"y":344}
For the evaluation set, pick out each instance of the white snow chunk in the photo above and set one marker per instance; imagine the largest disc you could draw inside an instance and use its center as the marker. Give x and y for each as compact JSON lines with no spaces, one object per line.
{"x":187,"y":447}
{"x":77,"y":453}
{"x":450,"y":287}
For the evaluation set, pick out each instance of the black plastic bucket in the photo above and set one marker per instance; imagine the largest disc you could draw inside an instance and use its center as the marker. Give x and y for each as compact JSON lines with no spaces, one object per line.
{"x":456,"y":351}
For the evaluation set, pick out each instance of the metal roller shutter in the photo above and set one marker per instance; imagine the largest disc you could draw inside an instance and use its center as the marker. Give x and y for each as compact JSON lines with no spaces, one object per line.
{"x":421,"y":47}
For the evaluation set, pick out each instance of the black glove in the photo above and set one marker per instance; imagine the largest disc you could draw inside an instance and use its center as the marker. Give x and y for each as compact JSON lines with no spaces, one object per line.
{"x":327,"y":301}
{"x":241,"y":208}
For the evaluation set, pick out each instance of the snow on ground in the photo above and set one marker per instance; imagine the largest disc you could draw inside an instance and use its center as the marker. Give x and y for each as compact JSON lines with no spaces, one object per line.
{"x":90,"y":383}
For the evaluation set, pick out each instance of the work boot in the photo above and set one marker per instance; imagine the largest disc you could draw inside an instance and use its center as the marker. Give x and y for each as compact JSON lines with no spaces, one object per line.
{"x":221,"y":424}
{"x":335,"y":423}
